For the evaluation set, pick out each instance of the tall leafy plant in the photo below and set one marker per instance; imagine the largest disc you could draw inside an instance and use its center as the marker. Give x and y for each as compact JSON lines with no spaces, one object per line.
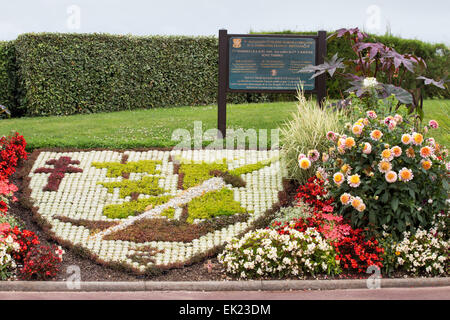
{"x":377,"y":60}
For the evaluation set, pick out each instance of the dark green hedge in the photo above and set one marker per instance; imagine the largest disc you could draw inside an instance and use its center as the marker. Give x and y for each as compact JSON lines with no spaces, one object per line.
{"x":65,"y":74}
{"x":62,"y":74}
{"x":437,"y":57}
{"x":7,"y":74}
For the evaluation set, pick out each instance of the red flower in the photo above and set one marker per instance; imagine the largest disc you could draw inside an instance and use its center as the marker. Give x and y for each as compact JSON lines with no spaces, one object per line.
{"x":3,"y":206}
{"x":353,"y":250}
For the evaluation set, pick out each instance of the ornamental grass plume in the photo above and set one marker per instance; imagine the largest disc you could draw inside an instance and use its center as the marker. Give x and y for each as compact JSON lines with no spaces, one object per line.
{"x":307,"y":130}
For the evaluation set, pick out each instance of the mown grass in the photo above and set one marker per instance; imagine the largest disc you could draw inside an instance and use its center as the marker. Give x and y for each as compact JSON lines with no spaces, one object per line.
{"x":154,"y":127}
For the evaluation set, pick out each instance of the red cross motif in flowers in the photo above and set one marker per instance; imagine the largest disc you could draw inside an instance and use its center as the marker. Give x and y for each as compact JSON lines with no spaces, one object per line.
{"x":60,"y":168}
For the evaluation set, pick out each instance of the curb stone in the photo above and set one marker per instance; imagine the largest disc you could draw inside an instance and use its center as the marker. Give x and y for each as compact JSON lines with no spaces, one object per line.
{"x":250,"y":285}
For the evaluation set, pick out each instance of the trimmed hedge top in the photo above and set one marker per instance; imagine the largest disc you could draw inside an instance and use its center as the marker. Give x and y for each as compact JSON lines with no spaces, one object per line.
{"x":82,"y":73}
{"x":62,"y":74}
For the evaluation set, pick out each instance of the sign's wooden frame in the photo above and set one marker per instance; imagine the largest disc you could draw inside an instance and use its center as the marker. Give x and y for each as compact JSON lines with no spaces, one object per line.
{"x":319,"y":87}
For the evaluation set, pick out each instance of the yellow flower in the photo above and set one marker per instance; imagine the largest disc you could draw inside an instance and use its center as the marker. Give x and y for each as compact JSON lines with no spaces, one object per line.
{"x":305,"y":163}
{"x":349,"y":142}
{"x":406,"y":138}
{"x":397,"y":253}
{"x":361,"y":207}
{"x":391,"y":176}
{"x":417,"y":138}
{"x":338,"y":178}
{"x":357,"y":128}
{"x":367,"y":148}
{"x":426,"y":151}
{"x":387,"y":154}
{"x":356,"y":202}
{"x":345,"y":168}
{"x":405,"y":174}
{"x":384,"y":166}
{"x":397,"y":151}
{"x":426,"y":164}
{"x":354,"y":180}
{"x":345,"y":198}
{"x":376,"y":135}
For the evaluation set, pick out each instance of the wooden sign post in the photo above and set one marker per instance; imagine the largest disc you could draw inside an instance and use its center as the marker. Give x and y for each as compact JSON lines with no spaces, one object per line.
{"x":268,"y":64}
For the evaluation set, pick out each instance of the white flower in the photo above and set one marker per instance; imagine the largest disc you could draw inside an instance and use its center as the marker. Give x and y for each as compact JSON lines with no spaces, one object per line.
{"x":370,"y":82}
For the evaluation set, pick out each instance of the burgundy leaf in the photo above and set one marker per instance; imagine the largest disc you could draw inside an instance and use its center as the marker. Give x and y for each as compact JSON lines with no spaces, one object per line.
{"x":329,"y":66}
{"x":374,"y":48}
{"x":400,"y":94}
{"x":428,"y":81}
{"x":348,"y":33}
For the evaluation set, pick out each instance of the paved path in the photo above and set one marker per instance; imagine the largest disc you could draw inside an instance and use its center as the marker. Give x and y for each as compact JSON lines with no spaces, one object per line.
{"x":427,"y":293}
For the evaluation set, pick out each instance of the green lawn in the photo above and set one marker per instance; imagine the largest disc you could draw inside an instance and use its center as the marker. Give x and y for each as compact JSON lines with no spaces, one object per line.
{"x":439,"y":110}
{"x":153,"y":128}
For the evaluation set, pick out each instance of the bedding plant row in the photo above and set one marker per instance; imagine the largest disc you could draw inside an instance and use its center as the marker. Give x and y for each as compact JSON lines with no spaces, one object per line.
{"x":21,"y":253}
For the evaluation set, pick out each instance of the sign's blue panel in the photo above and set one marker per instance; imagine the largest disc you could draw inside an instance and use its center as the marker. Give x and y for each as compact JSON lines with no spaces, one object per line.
{"x":270,"y":63}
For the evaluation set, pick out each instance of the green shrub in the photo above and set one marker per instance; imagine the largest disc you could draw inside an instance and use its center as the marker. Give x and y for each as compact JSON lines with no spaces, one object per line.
{"x":62,"y":74}
{"x":169,"y":213}
{"x":306,"y":131}
{"x":250,"y":168}
{"x":7,"y":75}
{"x":386,"y":173}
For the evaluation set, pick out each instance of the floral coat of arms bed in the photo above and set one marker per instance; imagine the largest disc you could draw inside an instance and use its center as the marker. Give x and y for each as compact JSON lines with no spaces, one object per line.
{"x":154,"y":209}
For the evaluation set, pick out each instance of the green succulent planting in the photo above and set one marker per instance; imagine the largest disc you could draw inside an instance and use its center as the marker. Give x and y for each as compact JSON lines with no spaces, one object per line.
{"x":196,"y":173}
{"x":146,"y":185}
{"x":213,"y":204}
{"x":249,"y":168}
{"x":132,"y":208}
{"x":116,"y":169}
{"x":168,"y":213}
